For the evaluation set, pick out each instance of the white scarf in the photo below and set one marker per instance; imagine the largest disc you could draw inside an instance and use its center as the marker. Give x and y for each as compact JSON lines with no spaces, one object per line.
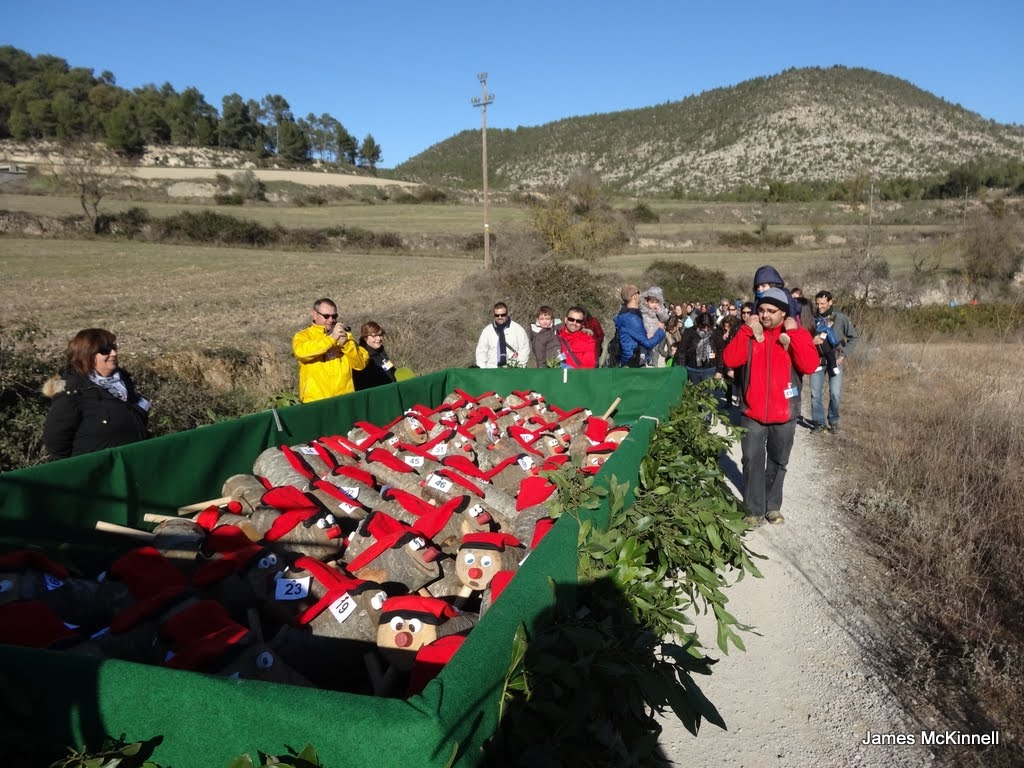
{"x":112,"y":384}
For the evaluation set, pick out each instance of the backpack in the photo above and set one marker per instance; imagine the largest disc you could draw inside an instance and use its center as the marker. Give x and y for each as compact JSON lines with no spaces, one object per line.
{"x":613,"y":353}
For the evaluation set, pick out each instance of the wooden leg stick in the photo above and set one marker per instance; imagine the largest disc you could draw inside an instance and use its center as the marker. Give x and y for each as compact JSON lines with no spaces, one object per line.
{"x":612,"y":407}
{"x":382,"y":680}
{"x":124,"y":530}
{"x":152,"y":517}
{"x":199,"y":506}
{"x":464,"y":594}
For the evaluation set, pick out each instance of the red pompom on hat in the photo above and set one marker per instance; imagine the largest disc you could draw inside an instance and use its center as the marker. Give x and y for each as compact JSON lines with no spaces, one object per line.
{"x":432,"y":610}
{"x":32,"y":624}
{"x":430,"y":660}
{"x":533,"y":490}
{"x":25,"y":559}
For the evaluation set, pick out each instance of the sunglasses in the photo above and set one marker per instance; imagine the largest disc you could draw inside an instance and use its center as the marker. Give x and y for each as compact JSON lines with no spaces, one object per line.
{"x":106,"y":349}
{"x":333,"y":316}
{"x":574,"y":319}
{"x":505,"y":314}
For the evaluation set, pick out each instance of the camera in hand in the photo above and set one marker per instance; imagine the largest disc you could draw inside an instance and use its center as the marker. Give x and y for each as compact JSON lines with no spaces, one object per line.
{"x":347,"y":328}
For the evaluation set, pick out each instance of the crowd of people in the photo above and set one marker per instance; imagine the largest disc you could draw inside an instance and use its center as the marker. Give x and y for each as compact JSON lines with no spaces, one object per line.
{"x":763,"y":349}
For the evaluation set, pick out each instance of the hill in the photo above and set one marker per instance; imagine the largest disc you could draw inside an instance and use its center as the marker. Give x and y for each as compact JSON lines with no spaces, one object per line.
{"x":811,"y":124}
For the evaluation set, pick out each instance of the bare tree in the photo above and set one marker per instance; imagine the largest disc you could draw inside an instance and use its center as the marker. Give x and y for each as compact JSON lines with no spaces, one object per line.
{"x":92,"y":171}
{"x":992,"y":248}
{"x":855,"y":271}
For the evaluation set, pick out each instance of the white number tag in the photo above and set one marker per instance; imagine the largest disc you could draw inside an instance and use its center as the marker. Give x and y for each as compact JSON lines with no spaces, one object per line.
{"x":526,"y":463}
{"x":291,"y":589}
{"x":52,"y":582}
{"x":392,"y":440}
{"x":529,"y":438}
{"x":441,"y":449}
{"x":413,"y":461}
{"x":308,"y":450}
{"x":791,"y":391}
{"x":352,"y":491}
{"x":348,"y":509}
{"x":439,"y":484}
{"x":343,"y":607}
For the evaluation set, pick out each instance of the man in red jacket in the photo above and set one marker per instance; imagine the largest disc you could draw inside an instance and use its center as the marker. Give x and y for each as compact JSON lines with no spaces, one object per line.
{"x":577,"y":341}
{"x":770,"y":388}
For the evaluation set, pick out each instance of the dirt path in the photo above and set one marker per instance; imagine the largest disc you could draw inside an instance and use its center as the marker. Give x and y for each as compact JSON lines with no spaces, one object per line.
{"x":806,"y":692}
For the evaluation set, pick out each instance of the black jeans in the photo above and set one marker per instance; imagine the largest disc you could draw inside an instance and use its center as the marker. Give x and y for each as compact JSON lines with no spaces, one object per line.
{"x":766,"y":449}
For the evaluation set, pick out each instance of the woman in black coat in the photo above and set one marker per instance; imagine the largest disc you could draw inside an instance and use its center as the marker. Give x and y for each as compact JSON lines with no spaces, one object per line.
{"x":380,"y":370}
{"x":95,"y":404}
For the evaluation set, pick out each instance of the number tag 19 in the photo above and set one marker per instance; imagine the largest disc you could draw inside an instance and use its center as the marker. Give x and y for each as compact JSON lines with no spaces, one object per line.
{"x":343,"y":607}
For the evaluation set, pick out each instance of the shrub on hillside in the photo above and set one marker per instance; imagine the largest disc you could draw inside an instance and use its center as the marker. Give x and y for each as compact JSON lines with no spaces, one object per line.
{"x":685,"y":282}
{"x":642,"y":213}
{"x":211,"y":227}
{"x":755,"y":239}
{"x":23,"y":369}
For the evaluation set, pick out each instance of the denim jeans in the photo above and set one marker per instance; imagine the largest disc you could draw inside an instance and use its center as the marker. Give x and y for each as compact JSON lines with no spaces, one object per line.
{"x":766,"y":449}
{"x":835,"y":388}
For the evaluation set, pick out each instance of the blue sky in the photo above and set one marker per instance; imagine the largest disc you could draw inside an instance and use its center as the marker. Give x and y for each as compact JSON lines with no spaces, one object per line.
{"x":406,"y":71}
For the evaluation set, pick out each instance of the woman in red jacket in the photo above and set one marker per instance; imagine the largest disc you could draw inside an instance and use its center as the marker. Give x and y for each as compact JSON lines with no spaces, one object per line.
{"x":776,"y":352}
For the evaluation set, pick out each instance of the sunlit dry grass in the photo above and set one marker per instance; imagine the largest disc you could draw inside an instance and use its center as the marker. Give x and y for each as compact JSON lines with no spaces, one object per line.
{"x":934,"y":450}
{"x":162,"y":297}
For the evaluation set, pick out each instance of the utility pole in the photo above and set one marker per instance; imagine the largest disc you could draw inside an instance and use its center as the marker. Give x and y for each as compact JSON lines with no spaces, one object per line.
{"x":482,"y":101}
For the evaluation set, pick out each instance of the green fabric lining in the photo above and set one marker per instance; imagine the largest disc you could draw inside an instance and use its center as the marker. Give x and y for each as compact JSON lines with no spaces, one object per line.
{"x":206,"y":721}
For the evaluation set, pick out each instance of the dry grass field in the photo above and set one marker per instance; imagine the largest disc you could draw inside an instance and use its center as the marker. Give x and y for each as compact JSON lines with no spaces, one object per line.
{"x":931,"y":462}
{"x":160,"y":298}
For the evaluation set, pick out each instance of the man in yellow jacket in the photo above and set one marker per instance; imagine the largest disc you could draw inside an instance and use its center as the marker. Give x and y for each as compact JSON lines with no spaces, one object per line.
{"x":327,"y":355}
